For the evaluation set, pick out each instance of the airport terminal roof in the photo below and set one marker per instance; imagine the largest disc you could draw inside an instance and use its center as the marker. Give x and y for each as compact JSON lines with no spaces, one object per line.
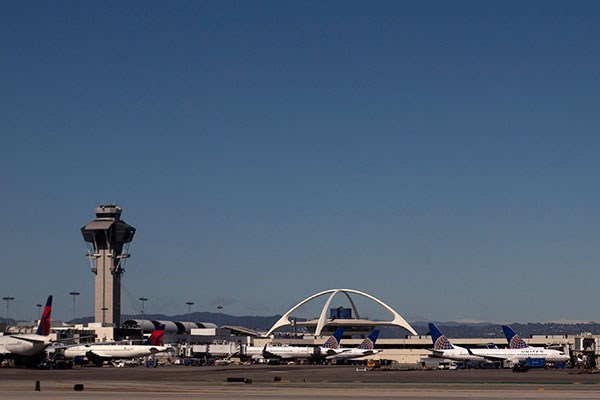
{"x":179,"y":327}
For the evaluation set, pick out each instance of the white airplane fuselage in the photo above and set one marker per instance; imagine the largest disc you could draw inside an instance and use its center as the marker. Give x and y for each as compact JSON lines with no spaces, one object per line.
{"x":457,"y":354}
{"x":108,"y":351}
{"x":23,"y":345}
{"x":514,"y":355}
{"x":283,"y":352}
{"x":347,"y":354}
{"x":523,"y":354}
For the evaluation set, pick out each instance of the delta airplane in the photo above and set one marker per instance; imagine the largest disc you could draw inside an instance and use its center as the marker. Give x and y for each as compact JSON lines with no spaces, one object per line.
{"x":28,"y":345}
{"x":98,"y":353}
{"x":366,"y":348}
{"x":443,"y":348}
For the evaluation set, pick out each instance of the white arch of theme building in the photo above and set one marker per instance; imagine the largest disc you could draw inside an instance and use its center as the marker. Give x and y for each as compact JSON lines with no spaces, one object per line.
{"x":396,"y":321}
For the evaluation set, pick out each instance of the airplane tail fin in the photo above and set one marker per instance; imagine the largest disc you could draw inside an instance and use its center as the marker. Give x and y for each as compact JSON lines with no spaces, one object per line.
{"x":440,"y":342}
{"x":44,"y":325}
{"x":369,"y":342}
{"x":156,"y":338}
{"x":334,"y":340}
{"x":514,"y":340}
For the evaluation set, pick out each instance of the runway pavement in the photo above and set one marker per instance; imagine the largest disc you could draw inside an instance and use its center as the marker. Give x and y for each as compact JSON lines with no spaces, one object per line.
{"x":295,"y":382}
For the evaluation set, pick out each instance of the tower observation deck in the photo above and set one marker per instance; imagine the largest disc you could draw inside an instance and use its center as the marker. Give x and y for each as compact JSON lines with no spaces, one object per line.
{"x":107,"y":239}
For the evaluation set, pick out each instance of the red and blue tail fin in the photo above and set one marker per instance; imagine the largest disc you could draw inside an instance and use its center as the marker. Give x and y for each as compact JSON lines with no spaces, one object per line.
{"x":369,"y":342}
{"x":156,"y":339}
{"x":44,"y":325}
{"x":334,"y":340}
{"x":514,"y":340}
{"x":440,"y":342}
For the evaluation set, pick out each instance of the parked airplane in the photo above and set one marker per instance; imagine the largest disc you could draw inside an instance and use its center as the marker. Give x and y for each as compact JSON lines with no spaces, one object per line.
{"x":442,"y":348}
{"x":516,"y":342}
{"x":286,"y":352}
{"x":366,"y":348}
{"x":295,"y":352}
{"x":98,"y":353}
{"x":522,"y":354}
{"x":20,"y":346}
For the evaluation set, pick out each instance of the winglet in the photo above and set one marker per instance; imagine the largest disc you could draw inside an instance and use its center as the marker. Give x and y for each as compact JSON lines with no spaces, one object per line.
{"x":514,"y":340}
{"x":440,"y":342}
{"x":44,"y":325}
{"x":334,"y":340}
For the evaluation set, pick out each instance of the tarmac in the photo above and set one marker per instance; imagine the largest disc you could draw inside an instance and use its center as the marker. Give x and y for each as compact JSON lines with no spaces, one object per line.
{"x":295,"y":382}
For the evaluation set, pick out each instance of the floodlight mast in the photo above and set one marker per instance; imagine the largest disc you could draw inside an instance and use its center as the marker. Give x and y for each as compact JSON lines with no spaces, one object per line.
{"x":74,"y":294}
{"x":7,"y":299}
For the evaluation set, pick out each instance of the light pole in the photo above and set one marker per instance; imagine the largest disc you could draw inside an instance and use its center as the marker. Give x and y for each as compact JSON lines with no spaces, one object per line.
{"x":219,"y":308}
{"x":219,"y":316}
{"x":39,"y":306}
{"x":143,"y":300}
{"x":8,"y":299}
{"x":189,"y":329}
{"x":74,"y":294}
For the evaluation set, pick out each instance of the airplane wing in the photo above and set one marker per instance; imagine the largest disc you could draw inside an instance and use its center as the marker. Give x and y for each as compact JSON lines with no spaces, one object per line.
{"x":488,"y":357}
{"x":154,"y":350}
{"x":334,"y":352}
{"x":343,"y":354}
{"x":95,"y":358}
{"x":268,"y":354}
{"x":30,"y":339}
{"x":92,"y":355}
{"x":436,"y":353}
{"x":497,"y":358}
{"x":369,"y":353}
{"x":329,"y":352}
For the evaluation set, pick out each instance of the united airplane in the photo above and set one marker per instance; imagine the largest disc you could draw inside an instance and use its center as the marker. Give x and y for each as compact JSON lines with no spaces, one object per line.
{"x":365,"y":349}
{"x":330,"y":346}
{"x":28,"y":345}
{"x":519,"y":350}
{"x":285,"y":352}
{"x":443,"y":348}
{"x":98,"y":353}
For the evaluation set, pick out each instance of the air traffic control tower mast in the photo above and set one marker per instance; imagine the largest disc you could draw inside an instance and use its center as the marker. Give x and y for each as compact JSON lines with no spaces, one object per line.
{"x":107,"y":239}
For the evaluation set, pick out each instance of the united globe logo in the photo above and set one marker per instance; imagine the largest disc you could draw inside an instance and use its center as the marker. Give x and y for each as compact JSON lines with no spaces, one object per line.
{"x":331,"y":343}
{"x":517,"y":343}
{"x":443,"y":344}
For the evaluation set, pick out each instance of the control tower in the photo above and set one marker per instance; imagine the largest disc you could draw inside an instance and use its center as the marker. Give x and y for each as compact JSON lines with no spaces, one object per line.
{"x":107,"y":239}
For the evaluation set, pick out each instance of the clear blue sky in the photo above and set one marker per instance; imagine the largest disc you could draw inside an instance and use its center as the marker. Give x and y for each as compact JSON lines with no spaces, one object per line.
{"x":440,"y":155}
